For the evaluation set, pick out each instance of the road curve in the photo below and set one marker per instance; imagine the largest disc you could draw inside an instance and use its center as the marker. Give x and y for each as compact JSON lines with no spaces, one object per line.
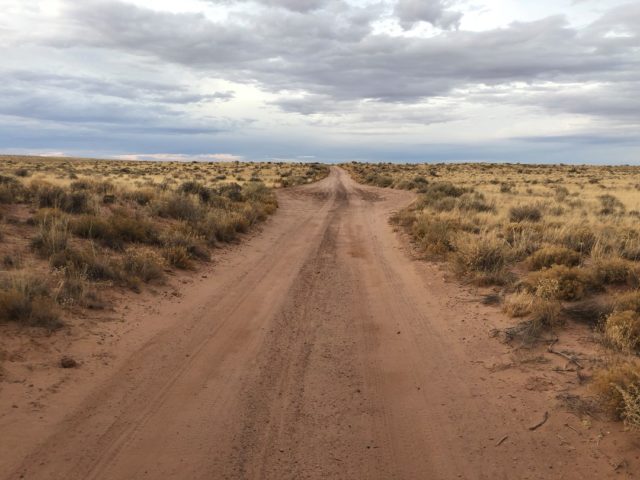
{"x":320,"y":351}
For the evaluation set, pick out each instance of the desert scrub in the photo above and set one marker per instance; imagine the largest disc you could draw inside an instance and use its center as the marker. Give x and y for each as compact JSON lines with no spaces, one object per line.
{"x":434,"y":235}
{"x":482,"y":257}
{"x":53,"y":196}
{"x":615,"y":271}
{"x":11,"y":190}
{"x":553,"y":255}
{"x":26,"y":300}
{"x":179,"y":206}
{"x":618,"y":386}
{"x":116,"y":230}
{"x":89,"y":262}
{"x":142,"y":265}
{"x":525,"y":213}
{"x":622,"y":330}
{"x":52,"y":235}
{"x":560,"y":282}
{"x":622,"y":326}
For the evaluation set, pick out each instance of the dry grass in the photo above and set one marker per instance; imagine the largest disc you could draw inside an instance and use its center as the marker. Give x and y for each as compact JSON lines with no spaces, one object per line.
{"x":562,"y":241}
{"x":618,"y":386}
{"x":84,"y":225}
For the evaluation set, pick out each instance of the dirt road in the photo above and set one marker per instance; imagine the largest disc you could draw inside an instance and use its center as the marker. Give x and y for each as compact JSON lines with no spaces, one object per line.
{"x":319,"y":350}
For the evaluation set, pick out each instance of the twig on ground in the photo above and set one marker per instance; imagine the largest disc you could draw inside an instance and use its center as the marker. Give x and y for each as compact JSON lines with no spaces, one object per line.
{"x":501,"y":441}
{"x":541,"y":422}
{"x":570,"y":358}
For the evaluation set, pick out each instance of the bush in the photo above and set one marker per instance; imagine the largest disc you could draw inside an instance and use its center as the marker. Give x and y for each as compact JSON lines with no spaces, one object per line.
{"x":143,"y":264}
{"x":232,"y":191}
{"x":543,"y":313}
{"x":610,"y":205}
{"x":628,"y":301}
{"x":611,"y":384}
{"x":189,"y":241}
{"x":223,"y":225}
{"x":52,"y":236}
{"x":475,"y":203}
{"x":179,"y":206}
{"x":25,"y":300}
{"x":561,"y":283}
{"x":612,"y":271}
{"x":88,"y":262}
{"x":578,"y":238}
{"x":622,"y":330}
{"x":525,"y":213}
{"x":553,"y":255}
{"x":518,"y":304}
{"x":440,"y":196}
{"x":484,"y":257}
{"x":177,"y":256}
{"x":116,"y":230}
{"x":434,"y":235}
{"x":53,"y":196}
{"x":142,"y":196}
{"x":196,"y":188}
{"x":11,"y":190}
{"x":379,"y":180}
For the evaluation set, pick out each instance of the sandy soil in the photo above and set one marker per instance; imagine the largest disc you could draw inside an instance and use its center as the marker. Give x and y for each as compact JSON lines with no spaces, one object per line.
{"x":317,"y":349}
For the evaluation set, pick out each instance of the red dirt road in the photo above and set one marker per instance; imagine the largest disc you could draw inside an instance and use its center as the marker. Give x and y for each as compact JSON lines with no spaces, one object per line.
{"x":318,"y":350}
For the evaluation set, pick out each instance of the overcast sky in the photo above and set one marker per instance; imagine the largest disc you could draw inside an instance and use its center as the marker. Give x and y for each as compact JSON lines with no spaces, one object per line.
{"x":330,"y":80}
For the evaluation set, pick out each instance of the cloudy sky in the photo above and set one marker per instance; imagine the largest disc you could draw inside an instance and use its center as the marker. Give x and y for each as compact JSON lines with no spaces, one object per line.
{"x":330,"y":80}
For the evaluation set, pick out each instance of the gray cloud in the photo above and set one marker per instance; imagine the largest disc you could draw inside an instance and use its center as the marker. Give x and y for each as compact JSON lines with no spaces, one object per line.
{"x":435,"y":12}
{"x":143,"y":71}
{"x":340,"y":57}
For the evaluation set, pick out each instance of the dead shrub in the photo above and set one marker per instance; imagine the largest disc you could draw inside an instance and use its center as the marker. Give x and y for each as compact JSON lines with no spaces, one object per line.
{"x":614,"y":271}
{"x":622,"y":330}
{"x":553,"y":255}
{"x":560,"y":282}
{"x":484,"y":257}
{"x":54,"y":196}
{"x":116,"y":230}
{"x":89,"y":262}
{"x":617,"y":387}
{"x":177,"y":256}
{"x":525,"y":213}
{"x":52,"y":236}
{"x":26,"y":300}
{"x":143,"y":264}
{"x":475,"y":202}
{"x":435,"y":235}
{"x":179,"y":206}
{"x":610,"y":205}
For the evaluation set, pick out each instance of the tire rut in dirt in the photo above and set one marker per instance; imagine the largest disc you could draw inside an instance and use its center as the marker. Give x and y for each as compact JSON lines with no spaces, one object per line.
{"x":304,"y":413}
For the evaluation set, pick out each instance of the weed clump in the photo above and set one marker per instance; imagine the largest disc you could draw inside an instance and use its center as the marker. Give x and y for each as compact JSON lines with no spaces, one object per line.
{"x":26,"y":300}
{"x":618,"y":386}
{"x":525,"y":213}
{"x":560,"y":282}
{"x":484,"y":258}
{"x":553,"y":255}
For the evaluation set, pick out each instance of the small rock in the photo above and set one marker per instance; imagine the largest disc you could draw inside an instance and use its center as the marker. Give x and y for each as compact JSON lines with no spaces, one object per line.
{"x":68,"y":362}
